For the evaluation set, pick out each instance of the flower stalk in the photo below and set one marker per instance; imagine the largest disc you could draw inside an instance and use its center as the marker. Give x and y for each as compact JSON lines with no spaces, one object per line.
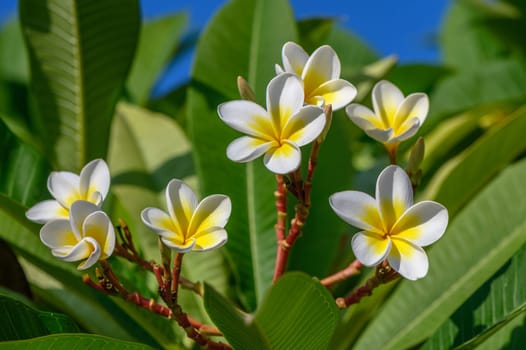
{"x":384,"y":274}
{"x":353,"y":269}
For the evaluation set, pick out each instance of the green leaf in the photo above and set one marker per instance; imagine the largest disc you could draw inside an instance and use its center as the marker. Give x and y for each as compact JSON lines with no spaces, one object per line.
{"x":479,"y":163}
{"x":236,"y":326}
{"x":80,"y":52}
{"x":73,"y":341}
{"x":239,"y":41}
{"x":23,"y":172}
{"x":496,"y":303}
{"x":13,"y":55}
{"x":158,"y":42}
{"x":467,"y":42}
{"x":477,"y":243}
{"x":477,"y":90}
{"x":24,"y":322}
{"x":297,"y":313}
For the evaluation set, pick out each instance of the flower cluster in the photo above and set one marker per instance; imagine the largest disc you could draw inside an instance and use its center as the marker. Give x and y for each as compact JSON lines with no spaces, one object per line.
{"x":75,"y":228}
{"x":394,"y":229}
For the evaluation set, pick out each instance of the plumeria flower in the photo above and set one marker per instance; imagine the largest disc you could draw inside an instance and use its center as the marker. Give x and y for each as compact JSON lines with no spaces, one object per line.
{"x":277,"y":132}
{"x":87,"y":234}
{"x":393,"y":227}
{"x":189,"y":225}
{"x":320,"y":73}
{"x":91,"y":185}
{"x":395,"y":118}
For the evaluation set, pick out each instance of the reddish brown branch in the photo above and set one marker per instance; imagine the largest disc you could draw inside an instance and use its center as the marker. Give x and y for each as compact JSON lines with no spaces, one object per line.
{"x":384,"y":274}
{"x":354,"y":268}
{"x":281,"y":208}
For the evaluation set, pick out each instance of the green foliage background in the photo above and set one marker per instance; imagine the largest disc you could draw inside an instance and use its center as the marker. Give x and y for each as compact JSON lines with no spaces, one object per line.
{"x":75,"y":84}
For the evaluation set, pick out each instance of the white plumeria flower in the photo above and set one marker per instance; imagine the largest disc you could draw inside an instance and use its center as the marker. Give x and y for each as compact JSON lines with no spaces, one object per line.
{"x":87,"y":234}
{"x":277,"y":132}
{"x":393,"y":227}
{"x":320,"y":73}
{"x":189,"y":225}
{"x":92,"y":185}
{"x":395,"y":118}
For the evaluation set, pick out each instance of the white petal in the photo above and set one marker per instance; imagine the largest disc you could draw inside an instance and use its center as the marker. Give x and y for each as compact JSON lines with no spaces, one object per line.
{"x":212,"y":211}
{"x":358,"y":209}
{"x":305,"y":125}
{"x":423,"y":223}
{"x":247,"y":117}
{"x":284,"y":159}
{"x":64,"y":186}
{"x":278,"y":69}
{"x":213,"y":238}
{"x":284,"y":97}
{"x":99,"y":227}
{"x":322,"y":66}
{"x":96,"y":255}
{"x":386,"y":99}
{"x":408,"y":129}
{"x":294,"y":58}
{"x":370,"y":248}
{"x":413,"y":106}
{"x":179,"y":247}
{"x":246,"y":148}
{"x":181,"y":202}
{"x":394,"y":194}
{"x":81,"y":250}
{"x":95,"y":177}
{"x":337,"y":93}
{"x":369,"y":122}
{"x":46,"y":211}
{"x":408,"y":259}
{"x":58,"y":234}
{"x":78,"y":213}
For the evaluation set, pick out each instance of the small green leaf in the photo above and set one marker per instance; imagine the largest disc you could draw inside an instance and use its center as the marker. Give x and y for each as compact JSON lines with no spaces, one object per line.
{"x":80,"y":52}
{"x":73,"y":341}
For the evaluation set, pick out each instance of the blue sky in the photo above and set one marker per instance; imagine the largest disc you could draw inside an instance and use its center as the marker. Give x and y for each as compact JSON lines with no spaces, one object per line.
{"x":406,"y":28}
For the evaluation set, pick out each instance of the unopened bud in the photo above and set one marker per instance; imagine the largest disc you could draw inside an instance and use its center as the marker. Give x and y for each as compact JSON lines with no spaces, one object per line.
{"x":416,"y":156}
{"x":245,"y":91}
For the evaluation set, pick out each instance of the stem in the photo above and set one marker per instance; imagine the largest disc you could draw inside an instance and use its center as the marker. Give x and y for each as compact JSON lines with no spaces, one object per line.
{"x":281,"y":207}
{"x":354,"y":268}
{"x":384,"y":274}
{"x":391,"y":152}
{"x":176,"y":273}
{"x":284,"y":246}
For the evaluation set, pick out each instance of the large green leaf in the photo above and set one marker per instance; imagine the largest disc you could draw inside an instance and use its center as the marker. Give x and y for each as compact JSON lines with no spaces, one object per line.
{"x":478,"y":242}
{"x":499,"y":82}
{"x":297,"y":313}
{"x":73,"y":341}
{"x":466,"y":40}
{"x":158,"y":42}
{"x":23,"y":172}
{"x":13,"y":55}
{"x":492,"y":306}
{"x":24,"y":322}
{"x":479,"y":163}
{"x":239,"y":41}
{"x":80,"y":52}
